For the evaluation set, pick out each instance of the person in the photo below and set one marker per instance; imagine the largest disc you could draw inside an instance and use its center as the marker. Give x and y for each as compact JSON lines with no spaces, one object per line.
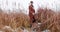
{"x":31,"y":12}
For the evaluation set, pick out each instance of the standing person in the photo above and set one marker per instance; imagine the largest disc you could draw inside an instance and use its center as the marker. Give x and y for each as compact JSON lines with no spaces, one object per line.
{"x":31,"y":12}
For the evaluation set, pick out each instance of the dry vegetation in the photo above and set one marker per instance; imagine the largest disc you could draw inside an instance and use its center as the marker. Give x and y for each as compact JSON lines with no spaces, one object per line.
{"x":49,"y":20}
{"x":14,"y":21}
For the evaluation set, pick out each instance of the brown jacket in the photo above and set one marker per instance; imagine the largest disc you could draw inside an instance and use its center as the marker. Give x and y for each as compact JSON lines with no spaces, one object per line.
{"x":31,"y":11}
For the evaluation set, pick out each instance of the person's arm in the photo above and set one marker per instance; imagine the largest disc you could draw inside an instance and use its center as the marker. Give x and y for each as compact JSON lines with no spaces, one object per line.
{"x":31,"y":9}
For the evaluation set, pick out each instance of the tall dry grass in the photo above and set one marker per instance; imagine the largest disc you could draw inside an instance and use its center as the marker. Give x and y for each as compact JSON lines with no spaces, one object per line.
{"x":14,"y":20}
{"x":49,"y":20}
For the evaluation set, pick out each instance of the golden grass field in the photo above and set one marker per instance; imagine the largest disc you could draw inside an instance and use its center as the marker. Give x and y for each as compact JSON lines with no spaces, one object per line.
{"x":14,"y":20}
{"x":49,"y":20}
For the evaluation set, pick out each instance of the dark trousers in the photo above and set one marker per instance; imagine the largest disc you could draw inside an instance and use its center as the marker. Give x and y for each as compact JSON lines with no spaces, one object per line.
{"x":34,"y":20}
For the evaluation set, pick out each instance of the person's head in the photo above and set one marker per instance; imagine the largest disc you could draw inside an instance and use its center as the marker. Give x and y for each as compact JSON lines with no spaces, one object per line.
{"x":31,"y":2}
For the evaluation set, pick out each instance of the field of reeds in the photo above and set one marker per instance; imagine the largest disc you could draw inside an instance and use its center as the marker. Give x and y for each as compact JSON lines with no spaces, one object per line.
{"x":49,"y":20}
{"x":14,"y":22}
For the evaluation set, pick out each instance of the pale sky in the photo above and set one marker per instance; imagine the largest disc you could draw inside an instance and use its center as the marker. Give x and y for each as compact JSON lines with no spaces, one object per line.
{"x":23,"y":4}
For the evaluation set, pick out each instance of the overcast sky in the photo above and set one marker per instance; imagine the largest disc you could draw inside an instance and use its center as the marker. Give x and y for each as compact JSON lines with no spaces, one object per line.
{"x":23,"y":4}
